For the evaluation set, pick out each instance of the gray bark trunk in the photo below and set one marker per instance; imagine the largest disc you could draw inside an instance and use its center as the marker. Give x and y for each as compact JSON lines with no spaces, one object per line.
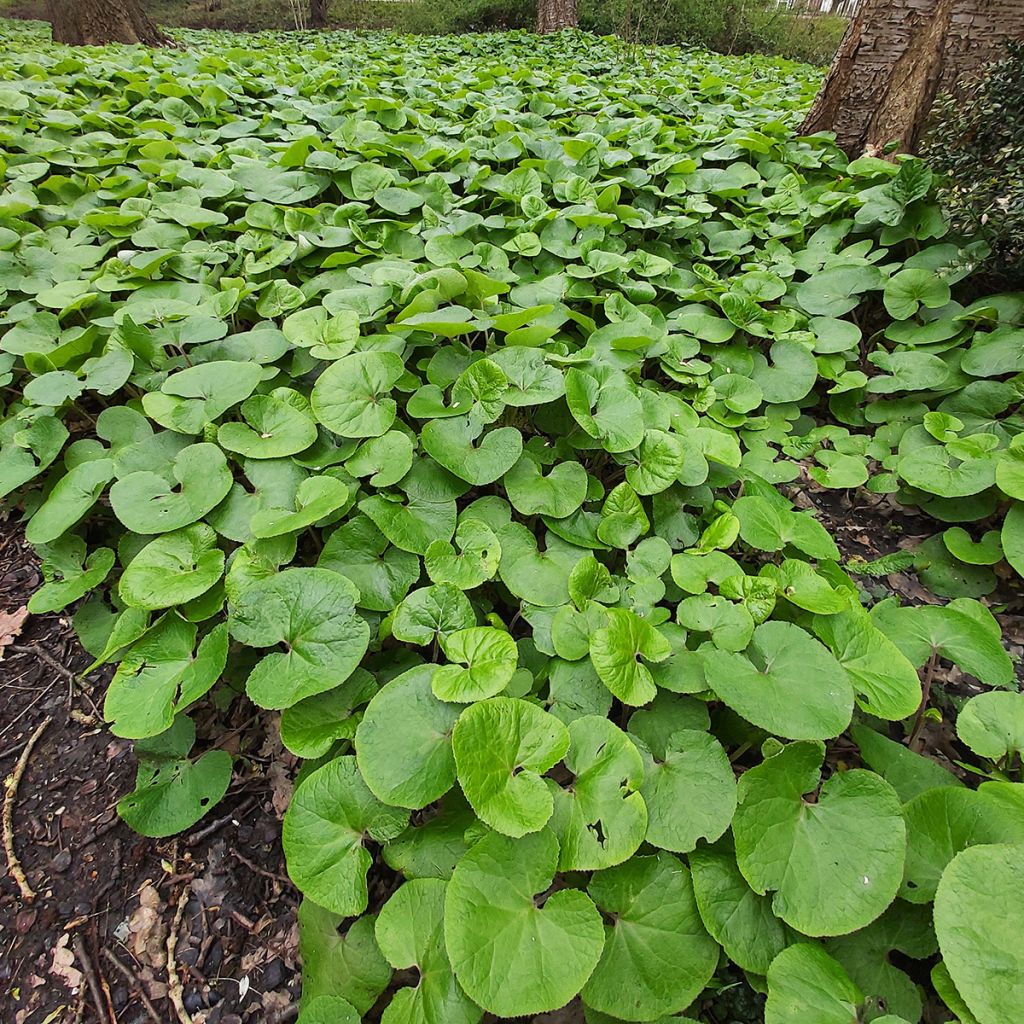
{"x":554,"y":15}
{"x":897,"y":55}
{"x":98,"y":22}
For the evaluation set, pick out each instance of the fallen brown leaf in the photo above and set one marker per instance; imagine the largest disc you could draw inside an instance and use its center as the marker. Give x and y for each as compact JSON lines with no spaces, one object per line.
{"x":63,"y":964}
{"x":147,"y":929}
{"x":10,"y":626}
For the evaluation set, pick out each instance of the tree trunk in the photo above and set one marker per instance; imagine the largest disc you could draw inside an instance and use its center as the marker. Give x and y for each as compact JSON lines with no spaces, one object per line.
{"x":318,"y":13}
{"x":98,"y":22}
{"x":894,"y":59}
{"x":554,"y":15}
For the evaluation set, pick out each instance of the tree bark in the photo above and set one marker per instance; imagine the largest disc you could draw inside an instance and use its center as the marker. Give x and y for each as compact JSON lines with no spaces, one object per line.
{"x":554,"y":15}
{"x":98,"y":22}
{"x":318,"y":13}
{"x":896,"y":56}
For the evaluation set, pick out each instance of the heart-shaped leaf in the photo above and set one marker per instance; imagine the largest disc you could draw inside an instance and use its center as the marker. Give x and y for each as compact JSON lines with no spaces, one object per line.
{"x":548,"y":951}
{"x":310,"y":611}
{"x":331,"y":815}
{"x":502,"y":748}
{"x":410,"y":932}
{"x":834,"y":863}
{"x":657,"y":956}
{"x":404,"y":742}
{"x":173,"y":569}
{"x":197,"y":481}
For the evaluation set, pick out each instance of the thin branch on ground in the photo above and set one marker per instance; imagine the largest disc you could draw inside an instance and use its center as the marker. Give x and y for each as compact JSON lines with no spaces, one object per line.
{"x":174,"y":990}
{"x":90,"y":978}
{"x":10,"y":794}
{"x":135,"y":985}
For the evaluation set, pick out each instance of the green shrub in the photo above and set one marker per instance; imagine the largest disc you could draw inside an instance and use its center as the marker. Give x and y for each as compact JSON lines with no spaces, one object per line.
{"x":979,"y":146}
{"x":727,"y":26}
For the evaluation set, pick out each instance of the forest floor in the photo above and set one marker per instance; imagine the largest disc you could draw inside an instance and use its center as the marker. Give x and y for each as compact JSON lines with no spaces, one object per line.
{"x":93,"y":945}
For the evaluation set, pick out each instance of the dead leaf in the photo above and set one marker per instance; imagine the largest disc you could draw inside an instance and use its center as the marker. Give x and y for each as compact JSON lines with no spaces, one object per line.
{"x":10,"y":626}
{"x":147,"y":928}
{"x":281,"y":787}
{"x":63,"y":965}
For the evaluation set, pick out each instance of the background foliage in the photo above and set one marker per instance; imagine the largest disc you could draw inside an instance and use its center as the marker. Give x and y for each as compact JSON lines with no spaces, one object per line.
{"x":729,"y":26}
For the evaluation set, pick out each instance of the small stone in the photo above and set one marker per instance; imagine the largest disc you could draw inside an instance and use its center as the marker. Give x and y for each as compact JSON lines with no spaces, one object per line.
{"x":62,"y":861}
{"x":273,"y":975}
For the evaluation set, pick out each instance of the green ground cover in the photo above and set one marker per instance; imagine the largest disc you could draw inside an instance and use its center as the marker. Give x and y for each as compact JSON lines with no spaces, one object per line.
{"x":450,"y":396}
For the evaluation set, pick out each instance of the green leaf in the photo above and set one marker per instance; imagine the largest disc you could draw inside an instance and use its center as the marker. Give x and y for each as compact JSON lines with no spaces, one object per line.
{"x":657,"y":956}
{"x":992,"y":724}
{"x":198,"y":479}
{"x":171,"y":796}
{"x":404,"y":742}
{"x":908,"y":773}
{"x":767,"y":527}
{"x":940,"y":823}
{"x":884,"y":682}
{"x":331,"y":814}
{"x":616,"y":651}
{"x":489,"y":656}
{"x":600,"y":817}
{"x":382,"y":574}
{"x":540,"y":577}
{"x":477,"y":561}
{"x":963,"y":632}
{"x":865,"y":955}
{"x":69,"y":573}
{"x":316,"y":498}
{"x":977,"y":906}
{"x":834,"y":863}
{"x":310,"y":611}
{"x":275,"y":425}
{"x":456,"y":444}
{"x":548,"y":952}
{"x":1012,"y":537}
{"x":73,"y":496}
{"x":346,"y":967}
{"x":310,"y":728}
{"x":687,"y":768}
{"x":559,"y":493}
{"x":907,"y":290}
{"x":785,"y":682}
{"x":432,"y":613}
{"x":159,"y":674}
{"x":173,"y":569}
{"x":502,"y":748}
{"x":410,"y":932}
{"x":352,"y":396}
{"x":190,"y":399}
{"x":807,"y":986}
{"x":385,"y":459}
{"x":738,"y":918}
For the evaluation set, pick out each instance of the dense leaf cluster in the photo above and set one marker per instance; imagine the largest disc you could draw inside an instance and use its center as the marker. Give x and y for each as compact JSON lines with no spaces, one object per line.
{"x":979,"y":147}
{"x":445,"y":396}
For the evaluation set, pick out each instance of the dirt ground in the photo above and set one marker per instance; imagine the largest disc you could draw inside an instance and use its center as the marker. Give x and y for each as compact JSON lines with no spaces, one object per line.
{"x":92,"y":946}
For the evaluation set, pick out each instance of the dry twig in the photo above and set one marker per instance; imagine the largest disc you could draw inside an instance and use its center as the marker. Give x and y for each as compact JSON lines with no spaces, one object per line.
{"x":90,"y":977}
{"x":135,"y":985}
{"x":11,"y":792}
{"x":174,"y":991}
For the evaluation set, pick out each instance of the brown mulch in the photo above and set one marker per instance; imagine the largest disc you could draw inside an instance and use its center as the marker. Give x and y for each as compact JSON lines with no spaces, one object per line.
{"x":92,"y":945}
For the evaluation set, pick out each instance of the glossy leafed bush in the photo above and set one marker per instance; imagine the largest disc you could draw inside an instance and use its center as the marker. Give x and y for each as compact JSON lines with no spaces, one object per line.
{"x":451,"y":397}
